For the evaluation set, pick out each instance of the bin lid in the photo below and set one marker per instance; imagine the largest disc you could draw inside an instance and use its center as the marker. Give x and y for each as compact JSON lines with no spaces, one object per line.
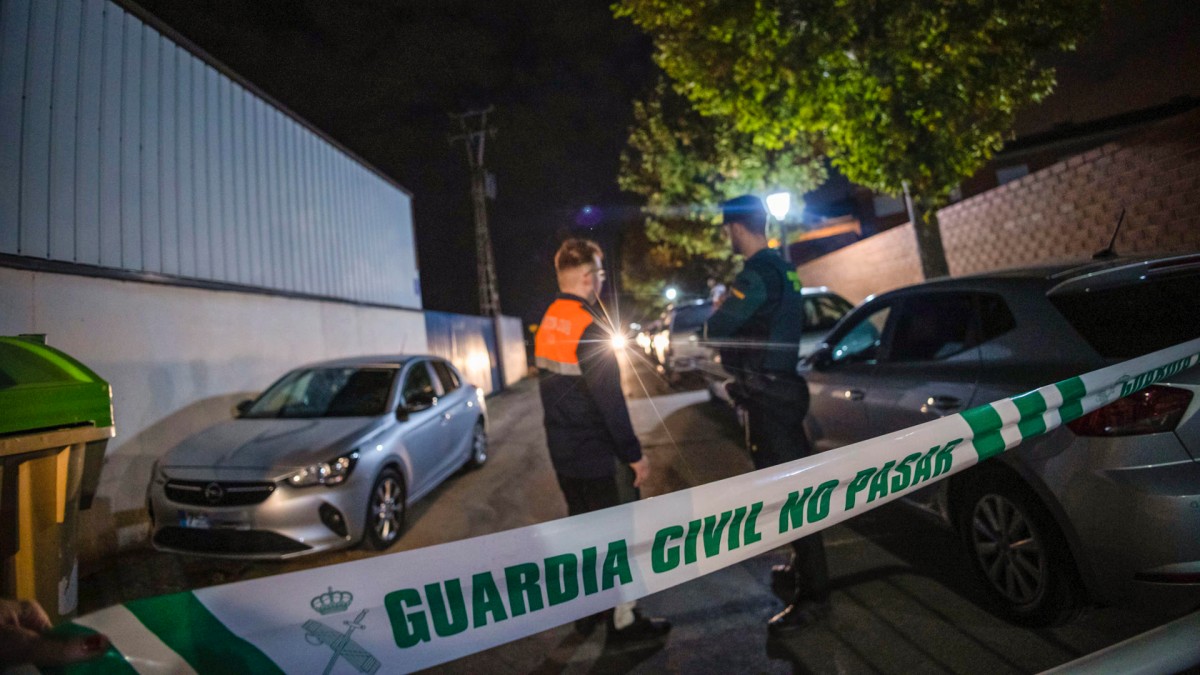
{"x":41,"y":388}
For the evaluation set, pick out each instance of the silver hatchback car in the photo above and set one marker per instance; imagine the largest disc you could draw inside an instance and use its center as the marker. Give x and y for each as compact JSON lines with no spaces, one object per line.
{"x":330,"y":455}
{"x":1106,"y":507}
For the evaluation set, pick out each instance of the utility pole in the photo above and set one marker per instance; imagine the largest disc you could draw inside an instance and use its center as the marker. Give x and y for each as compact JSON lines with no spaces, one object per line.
{"x":475,"y":131}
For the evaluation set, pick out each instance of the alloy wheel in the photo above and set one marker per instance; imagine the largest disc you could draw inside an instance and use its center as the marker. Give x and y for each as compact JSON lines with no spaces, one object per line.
{"x":1009,"y":550}
{"x":479,"y":446}
{"x":387,"y":509}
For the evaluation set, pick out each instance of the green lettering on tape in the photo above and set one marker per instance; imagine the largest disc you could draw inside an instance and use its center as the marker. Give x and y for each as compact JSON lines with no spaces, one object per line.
{"x":689,"y":542}
{"x":448,"y":610}
{"x":616,"y":565}
{"x":902,"y":475}
{"x":665,"y":558}
{"x":751,"y":534}
{"x":562,"y":581}
{"x":524,"y":591}
{"x":486,"y":599}
{"x":713,"y":531}
{"x":589,"y":571}
{"x":857,"y":485}
{"x":879,"y":485}
{"x":408,"y":628}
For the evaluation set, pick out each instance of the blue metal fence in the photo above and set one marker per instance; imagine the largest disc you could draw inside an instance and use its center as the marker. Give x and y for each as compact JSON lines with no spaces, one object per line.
{"x":471,"y":344}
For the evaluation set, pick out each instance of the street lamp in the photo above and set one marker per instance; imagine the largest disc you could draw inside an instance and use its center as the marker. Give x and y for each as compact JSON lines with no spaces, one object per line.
{"x":779,"y":203}
{"x":671,"y":293}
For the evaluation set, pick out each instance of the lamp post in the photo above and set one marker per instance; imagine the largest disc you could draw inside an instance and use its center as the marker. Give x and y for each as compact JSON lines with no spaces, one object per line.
{"x":779,"y":203}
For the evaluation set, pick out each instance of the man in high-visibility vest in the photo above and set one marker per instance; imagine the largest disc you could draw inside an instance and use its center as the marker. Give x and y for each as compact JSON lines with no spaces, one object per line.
{"x":587,"y":423}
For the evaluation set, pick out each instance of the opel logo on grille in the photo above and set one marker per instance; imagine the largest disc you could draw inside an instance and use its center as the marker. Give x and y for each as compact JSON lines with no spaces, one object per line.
{"x":214,"y":493}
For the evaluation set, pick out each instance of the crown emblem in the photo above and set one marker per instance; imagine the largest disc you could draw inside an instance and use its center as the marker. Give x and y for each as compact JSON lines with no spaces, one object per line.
{"x":332,"y":601}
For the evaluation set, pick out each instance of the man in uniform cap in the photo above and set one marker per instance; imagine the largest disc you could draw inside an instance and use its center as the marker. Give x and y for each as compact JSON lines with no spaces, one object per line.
{"x":757,"y":328}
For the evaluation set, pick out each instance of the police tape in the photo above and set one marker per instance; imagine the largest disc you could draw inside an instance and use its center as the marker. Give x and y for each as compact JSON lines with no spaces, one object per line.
{"x":415,"y":609}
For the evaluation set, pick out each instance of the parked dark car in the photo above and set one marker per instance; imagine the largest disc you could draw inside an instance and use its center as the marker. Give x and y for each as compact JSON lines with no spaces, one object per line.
{"x":1103,"y":508}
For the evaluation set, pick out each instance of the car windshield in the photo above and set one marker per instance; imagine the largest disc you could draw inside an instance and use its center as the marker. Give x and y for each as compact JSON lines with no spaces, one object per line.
{"x":1129,"y":321}
{"x":690,"y":317}
{"x":326,"y":392}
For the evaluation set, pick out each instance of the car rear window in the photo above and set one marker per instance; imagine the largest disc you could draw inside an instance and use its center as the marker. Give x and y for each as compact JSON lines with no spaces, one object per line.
{"x":1137,"y":319}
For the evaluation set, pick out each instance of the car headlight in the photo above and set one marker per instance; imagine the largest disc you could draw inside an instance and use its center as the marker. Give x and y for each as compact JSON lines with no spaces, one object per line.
{"x":333,"y":472}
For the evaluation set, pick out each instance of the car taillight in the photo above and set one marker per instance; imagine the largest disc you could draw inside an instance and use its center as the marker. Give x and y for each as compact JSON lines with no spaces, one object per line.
{"x":1150,"y":411}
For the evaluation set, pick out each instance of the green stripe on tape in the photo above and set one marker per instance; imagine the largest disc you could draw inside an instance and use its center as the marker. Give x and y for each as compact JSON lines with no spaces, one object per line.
{"x":985,"y":424}
{"x":1030,"y":404}
{"x":1032,"y":427}
{"x":1072,"y":389}
{"x":186,"y":626}
{"x":988,"y":445}
{"x":983,"y":419}
{"x":1071,"y":411}
{"x":110,"y":663}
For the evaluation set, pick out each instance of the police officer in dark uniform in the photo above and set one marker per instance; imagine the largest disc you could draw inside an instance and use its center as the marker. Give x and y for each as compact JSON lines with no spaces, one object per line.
{"x":757,"y":330}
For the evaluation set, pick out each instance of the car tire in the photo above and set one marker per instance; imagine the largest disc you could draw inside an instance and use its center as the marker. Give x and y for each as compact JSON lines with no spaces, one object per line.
{"x":386,"y":509}
{"x":1017,"y":551}
{"x":479,"y":446}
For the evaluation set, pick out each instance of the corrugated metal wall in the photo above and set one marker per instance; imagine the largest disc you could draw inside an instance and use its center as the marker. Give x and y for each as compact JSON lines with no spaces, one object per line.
{"x":119,"y":148}
{"x":469,"y":342}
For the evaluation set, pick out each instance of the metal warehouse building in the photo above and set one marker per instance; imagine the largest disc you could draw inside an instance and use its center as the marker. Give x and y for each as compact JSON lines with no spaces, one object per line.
{"x":185,"y":236}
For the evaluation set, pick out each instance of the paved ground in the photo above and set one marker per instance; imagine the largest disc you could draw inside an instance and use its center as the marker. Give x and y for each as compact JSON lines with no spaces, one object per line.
{"x":904,"y":600}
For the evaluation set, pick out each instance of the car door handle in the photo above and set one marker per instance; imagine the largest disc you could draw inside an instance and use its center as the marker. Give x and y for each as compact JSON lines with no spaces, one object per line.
{"x":853,"y":394}
{"x":941,"y":403}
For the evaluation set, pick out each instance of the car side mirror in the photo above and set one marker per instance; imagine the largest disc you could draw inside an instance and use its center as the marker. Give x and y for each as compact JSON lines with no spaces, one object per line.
{"x":242,"y":406}
{"x":821,"y":359}
{"x":416,"y":403}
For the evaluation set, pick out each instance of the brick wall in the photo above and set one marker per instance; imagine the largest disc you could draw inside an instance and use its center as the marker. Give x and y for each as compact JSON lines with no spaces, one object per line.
{"x":1066,"y":211}
{"x":880,"y":263}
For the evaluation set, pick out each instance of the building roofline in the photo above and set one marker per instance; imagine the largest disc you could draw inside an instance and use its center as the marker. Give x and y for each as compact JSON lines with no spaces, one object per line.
{"x":175,"y":36}
{"x":1068,"y":132}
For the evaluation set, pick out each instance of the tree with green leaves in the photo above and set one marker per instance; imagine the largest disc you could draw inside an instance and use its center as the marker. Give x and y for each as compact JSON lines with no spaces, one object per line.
{"x":906,"y":96}
{"x":683,"y":164}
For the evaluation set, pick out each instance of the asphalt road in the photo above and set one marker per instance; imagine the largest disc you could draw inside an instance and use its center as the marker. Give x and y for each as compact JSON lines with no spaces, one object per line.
{"x":904,"y":599}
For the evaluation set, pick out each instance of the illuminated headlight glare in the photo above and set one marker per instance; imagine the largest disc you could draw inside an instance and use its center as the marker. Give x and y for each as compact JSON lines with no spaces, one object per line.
{"x":618,"y":342}
{"x":333,"y":472}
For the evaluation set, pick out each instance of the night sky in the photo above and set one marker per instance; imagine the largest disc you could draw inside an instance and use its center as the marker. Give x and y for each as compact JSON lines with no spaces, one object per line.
{"x":381,"y":76}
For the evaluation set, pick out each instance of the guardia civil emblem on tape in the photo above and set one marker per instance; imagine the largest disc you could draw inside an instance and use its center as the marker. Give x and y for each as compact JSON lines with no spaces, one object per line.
{"x":317,"y":633}
{"x":427,"y":606}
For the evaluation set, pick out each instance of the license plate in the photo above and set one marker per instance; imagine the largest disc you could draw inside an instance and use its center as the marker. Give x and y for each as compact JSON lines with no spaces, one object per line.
{"x":197,"y":521}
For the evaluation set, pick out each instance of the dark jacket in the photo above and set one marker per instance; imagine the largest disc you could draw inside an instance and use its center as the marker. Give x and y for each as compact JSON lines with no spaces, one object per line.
{"x":758,"y":325}
{"x":587,"y":423}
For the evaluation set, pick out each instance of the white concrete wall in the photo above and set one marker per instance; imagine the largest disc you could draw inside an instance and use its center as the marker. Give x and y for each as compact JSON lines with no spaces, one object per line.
{"x":178,"y":359}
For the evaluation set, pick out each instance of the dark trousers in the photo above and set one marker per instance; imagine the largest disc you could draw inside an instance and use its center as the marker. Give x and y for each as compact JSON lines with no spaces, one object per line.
{"x":585,"y":495}
{"x":775,"y":411}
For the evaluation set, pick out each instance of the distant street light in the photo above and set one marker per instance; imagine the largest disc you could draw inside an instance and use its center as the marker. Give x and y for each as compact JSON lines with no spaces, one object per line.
{"x":671,"y":293}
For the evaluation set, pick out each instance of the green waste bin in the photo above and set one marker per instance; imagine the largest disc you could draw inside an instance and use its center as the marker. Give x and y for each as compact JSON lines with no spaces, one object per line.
{"x":55,"y":422}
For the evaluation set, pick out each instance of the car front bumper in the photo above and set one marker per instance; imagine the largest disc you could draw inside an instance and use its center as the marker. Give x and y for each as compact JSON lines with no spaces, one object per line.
{"x":289,"y":523}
